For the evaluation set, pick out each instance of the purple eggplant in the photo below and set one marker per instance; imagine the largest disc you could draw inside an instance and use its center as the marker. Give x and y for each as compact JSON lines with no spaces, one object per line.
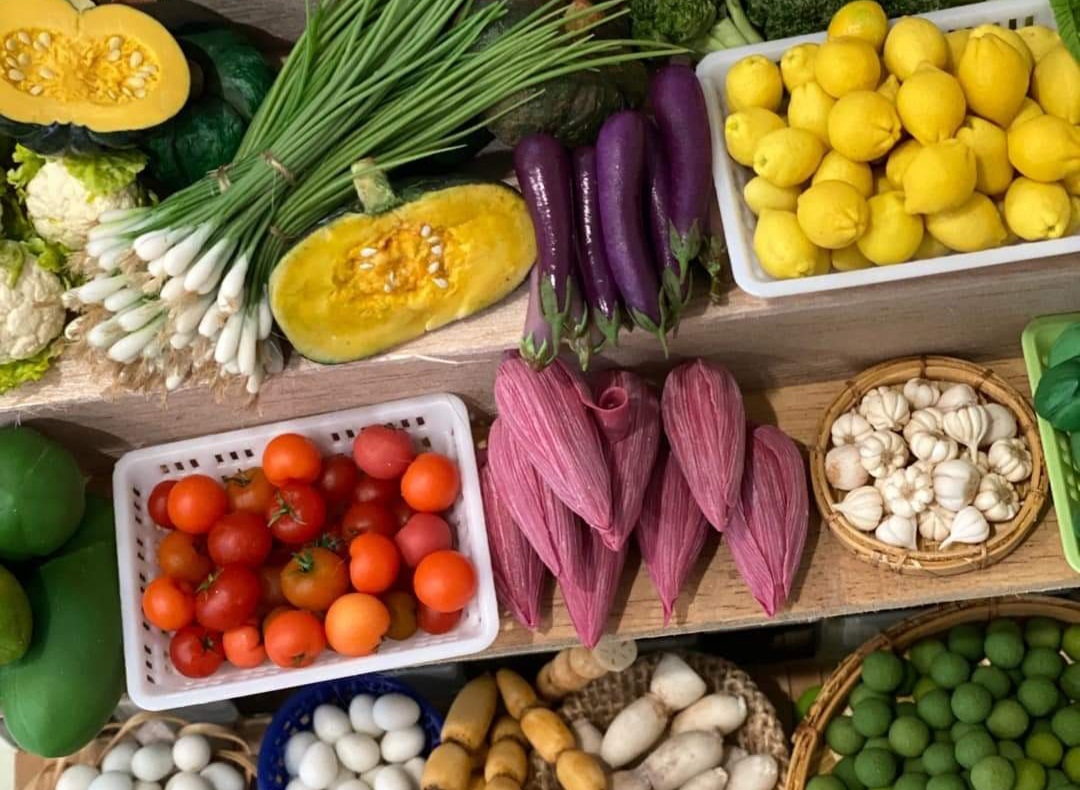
{"x":675,"y":277}
{"x":679,"y":106}
{"x":544,"y":177}
{"x":538,"y":345}
{"x":601,"y":293}
{"x":620,"y":169}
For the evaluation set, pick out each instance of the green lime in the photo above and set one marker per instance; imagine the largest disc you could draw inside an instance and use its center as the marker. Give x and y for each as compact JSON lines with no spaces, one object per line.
{"x":907,"y":684}
{"x":913,"y":765}
{"x":1039,"y":696}
{"x":804,"y":702}
{"x":923,"y":686}
{"x":825,"y":782}
{"x":973,"y":747}
{"x":1071,"y":764}
{"x":1070,"y":681}
{"x":993,"y":679}
{"x":882,"y":670}
{"x":924,"y":652}
{"x":845,"y":772}
{"x":939,"y":759}
{"x":971,"y":703}
{"x":842,"y":737}
{"x":15,"y":618}
{"x":1010,"y":750}
{"x":906,"y":708}
{"x":1004,"y":649}
{"x":908,"y":736}
{"x":875,"y":767}
{"x":864,"y":692}
{"x":1043,"y":662}
{"x":880,"y":742}
{"x":911,"y":781}
{"x":993,"y":773}
{"x":1070,"y":642}
{"x":946,"y":782}
{"x":1044,"y":748}
{"x":872,"y":717}
{"x":950,"y":670}
{"x":1008,"y":719}
{"x":935,"y":709}
{"x":1004,"y":625}
{"x":966,"y":640}
{"x":1066,"y":725}
{"x":1043,"y":632}
{"x":1029,"y":775}
{"x":962,"y":728}
{"x":1056,"y":779}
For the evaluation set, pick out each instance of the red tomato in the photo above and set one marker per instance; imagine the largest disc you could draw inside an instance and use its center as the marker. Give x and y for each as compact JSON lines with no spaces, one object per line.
{"x":240,"y":538}
{"x":374,"y":563}
{"x":435,"y":623}
{"x":423,"y":534}
{"x":196,"y":652}
{"x":291,"y":458}
{"x":169,"y":604}
{"x":195,"y":503}
{"x":445,"y":581}
{"x":372,"y":489}
{"x":383,"y":452}
{"x":158,"y":506}
{"x":431,"y":483}
{"x":249,"y":490}
{"x":402,"y":512}
{"x":364,"y":517}
{"x":179,"y":557}
{"x":243,"y":646}
{"x":294,"y":638}
{"x":297,"y":514}
{"x":228,"y":598}
{"x":314,"y":579}
{"x":338,"y":479}
{"x":270,"y":579}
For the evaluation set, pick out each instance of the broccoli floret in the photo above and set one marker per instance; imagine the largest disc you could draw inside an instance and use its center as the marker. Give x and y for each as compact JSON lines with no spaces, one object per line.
{"x":674,"y":21}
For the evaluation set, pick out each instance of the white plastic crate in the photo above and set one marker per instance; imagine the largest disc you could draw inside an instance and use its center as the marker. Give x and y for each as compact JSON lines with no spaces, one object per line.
{"x":437,"y":422}
{"x":730,"y":177}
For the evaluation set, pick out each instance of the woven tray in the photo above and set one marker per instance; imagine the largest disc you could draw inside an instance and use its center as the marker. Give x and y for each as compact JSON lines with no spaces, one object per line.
{"x":928,"y":561}
{"x":601,"y":701}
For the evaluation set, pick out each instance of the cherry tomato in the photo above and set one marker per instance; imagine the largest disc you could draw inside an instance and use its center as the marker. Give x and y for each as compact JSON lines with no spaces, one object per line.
{"x":337,"y":482}
{"x":402,"y":608}
{"x":423,"y":534}
{"x":179,"y":557}
{"x":297,"y":514}
{"x":294,"y":638}
{"x":243,"y":646}
{"x":158,"y":506}
{"x":241,"y":538}
{"x":249,"y":490}
{"x":196,"y":652}
{"x":365,"y":517}
{"x":291,"y":458}
{"x":431,"y":483}
{"x":314,"y":579}
{"x":372,"y":489}
{"x":195,"y":503}
{"x":169,"y":604}
{"x":374,"y":564}
{"x":445,"y":581}
{"x":383,"y":452}
{"x":270,"y":579}
{"x":402,"y":512}
{"x":356,"y":624}
{"x":227,"y":598}
{"x":435,"y":623}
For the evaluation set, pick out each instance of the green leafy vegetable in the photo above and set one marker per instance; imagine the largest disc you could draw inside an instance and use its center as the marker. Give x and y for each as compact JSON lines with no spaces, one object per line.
{"x":28,"y":164}
{"x":104,"y":174}
{"x":1067,"y":14}
{"x":14,"y":374}
{"x":673,"y":21}
{"x":12,"y":258}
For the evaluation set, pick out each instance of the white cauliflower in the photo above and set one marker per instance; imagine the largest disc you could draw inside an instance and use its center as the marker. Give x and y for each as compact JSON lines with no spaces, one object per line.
{"x":63,"y":210}
{"x":31,"y":313}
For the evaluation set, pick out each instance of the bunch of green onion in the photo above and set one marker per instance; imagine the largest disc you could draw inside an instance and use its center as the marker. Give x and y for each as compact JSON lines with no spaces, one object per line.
{"x":180,"y":288}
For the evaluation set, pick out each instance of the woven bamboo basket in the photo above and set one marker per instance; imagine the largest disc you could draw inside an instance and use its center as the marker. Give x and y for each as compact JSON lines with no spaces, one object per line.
{"x":808,"y":757}
{"x":928,"y":560}
{"x":227,"y":745}
{"x":602,"y":699}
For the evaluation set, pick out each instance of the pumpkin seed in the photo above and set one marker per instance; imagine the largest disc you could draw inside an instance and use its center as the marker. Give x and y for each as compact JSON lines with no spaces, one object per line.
{"x":24,"y":37}
{"x":114,"y":56}
{"x":368,"y":252}
{"x":11,"y":62}
{"x":436,"y":250}
{"x":440,"y":282}
{"x":140,"y":94}
{"x":24,"y":60}
{"x":16,"y":76}
{"x":46,"y":73}
{"x":115,"y":42}
{"x":44,"y":39}
{"x":135,"y":82}
{"x":36,"y":90}
{"x":434,"y":240}
{"x":425,"y":231}
{"x":136,"y":59}
{"x":127,"y":92}
{"x":149,"y":68}
{"x":433,"y":267}
{"x":388,"y":288}
{"x":364,"y":267}
{"x":11,"y":45}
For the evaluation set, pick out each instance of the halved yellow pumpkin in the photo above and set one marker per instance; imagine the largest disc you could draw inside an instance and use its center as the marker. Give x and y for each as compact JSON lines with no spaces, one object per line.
{"x":368,"y":281}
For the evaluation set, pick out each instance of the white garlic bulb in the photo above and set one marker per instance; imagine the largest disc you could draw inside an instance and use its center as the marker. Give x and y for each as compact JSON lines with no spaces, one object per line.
{"x":908,"y":492}
{"x":935,"y":523}
{"x":898,"y":531}
{"x":968,"y":425}
{"x":933,"y":447}
{"x":924,"y":466}
{"x":928,"y":420}
{"x":921,"y":393}
{"x":997,"y":498}
{"x":850,"y":428}
{"x":1011,"y":459}
{"x":955,"y":396}
{"x":882,"y":453}
{"x":982,"y":463}
{"x":1002,"y":424}
{"x":968,"y":526}
{"x":885,"y":409}
{"x":844,"y":469}
{"x":863,"y":508}
{"x":955,"y":484}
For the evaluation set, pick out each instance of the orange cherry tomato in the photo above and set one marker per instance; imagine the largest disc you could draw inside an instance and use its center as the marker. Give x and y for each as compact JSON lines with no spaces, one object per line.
{"x":431,"y":483}
{"x":294,"y":638}
{"x":445,"y":581}
{"x":374,"y":564}
{"x":435,"y":623}
{"x":196,"y":503}
{"x":314,"y":578}
{"x":169,"y":604}
{"x":243,"y":646}
{"x":249,"y":490}
{"x":402,"y":608}
{"x":179,"y":557}
{"x":291,"y":458}
{"x":356,"y":623}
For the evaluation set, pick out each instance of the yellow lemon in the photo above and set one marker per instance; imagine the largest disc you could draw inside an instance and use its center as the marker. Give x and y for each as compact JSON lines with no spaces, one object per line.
{"x":941,"y":176}
{"x":913,"y":41}
{"x":743,"y":130}
{"x":832,"y":214}
{"x":788,"y":156}
{"x":1039,"y":39}
{"x":889,"y":88}
{"x":930,"y":247}
{"x":1072,"y":183}
{"x":899,"y":159}
{"x":809,"y":109}
{"x":1037,"y":211}
{"x":863,"y":19}
{"x":1010,"y":237}
{"x":990,"y":144}
{"x":760,"y":195}
{"x":1074,"y":219}
{"x":931,"y":105}
{"x":1010,"y":37}
{"x":863,"y":126}
{"x":844,"y":65}
{"x":1046,"y":148}
{"x":972,"y":226}
{"x":994,"y":77}
{"x":754,"y":82}
{"x":797,"y":65}
{"x":1056,"y":84}
{"x":1028,"y":110}
{"x":783,"y":249}
{"x":956,"y":40}
{"x":837,"y":167}
{"x":849,"y":259}
{"x":893,"y":235}
{"x":883,"y":184}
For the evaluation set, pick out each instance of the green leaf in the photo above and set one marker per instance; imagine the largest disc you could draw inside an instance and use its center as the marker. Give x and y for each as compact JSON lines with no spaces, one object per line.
{"x":28,"y":164}
{"x":106,"y":174}
{"x":12,"y":258}
{"x":14,"y":374}
{"x":1067,"y":14}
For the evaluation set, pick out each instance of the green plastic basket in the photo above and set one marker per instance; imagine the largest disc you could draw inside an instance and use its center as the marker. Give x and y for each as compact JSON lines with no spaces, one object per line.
{"x":1036,"y":340}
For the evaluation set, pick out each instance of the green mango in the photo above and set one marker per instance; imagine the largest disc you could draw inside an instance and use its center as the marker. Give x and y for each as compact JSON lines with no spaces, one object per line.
{"x":1057,"y":398}
{"x":15,"y":618}
{"x":1066,"y":347}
